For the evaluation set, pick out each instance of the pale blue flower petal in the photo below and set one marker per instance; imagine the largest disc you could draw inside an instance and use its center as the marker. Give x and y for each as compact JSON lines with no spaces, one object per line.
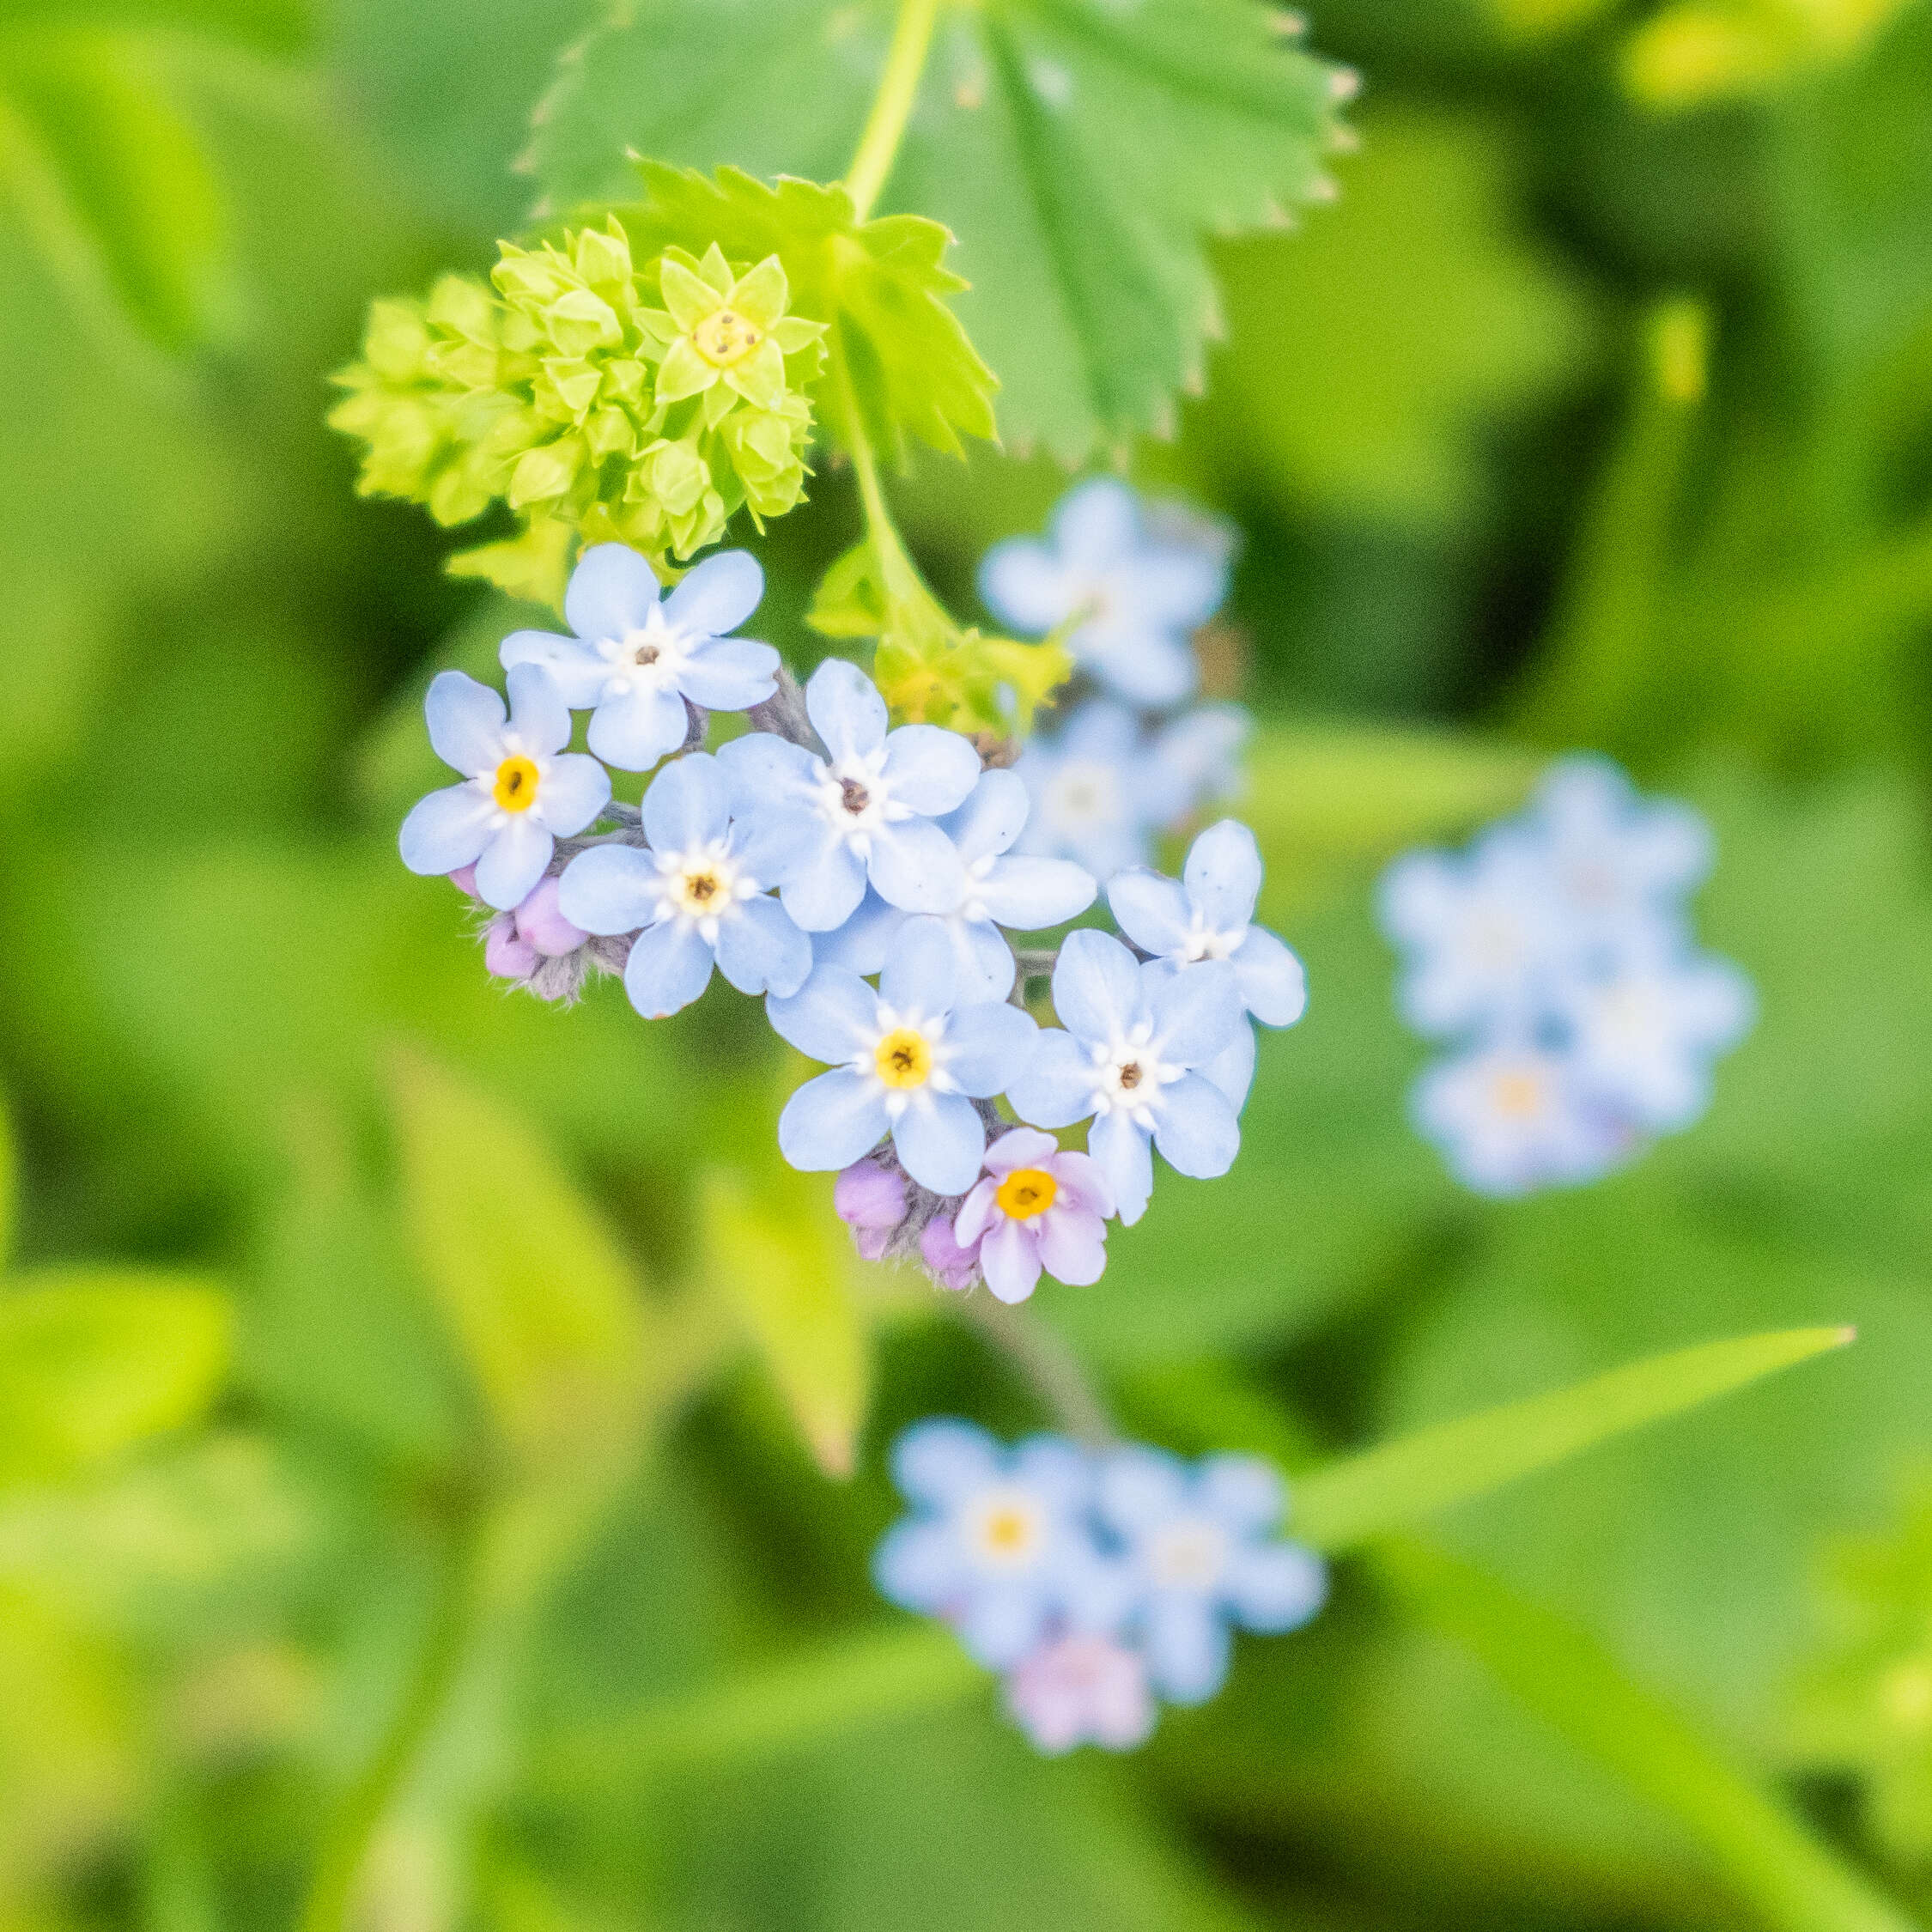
{"x":1232,"y":1070}
{"x":863,"y":942}
{"x":940,"y":1141}
{"x":764,"y":770}
{"x":717,"y":595}
{"x":1096,"y":523}
{"x":1243,"y":1493}
{"x":1057,"y":1084}
{"x":1196,"y":1130}
{"x":1274,"y":1587}
{"x":942,"y":1460}
{"x":466,"y":722}
{"x":914,"y":866}
{"x":1029,"y":895}
{"x":730,"y":674}
{"x":829,"y":1017}
{"x":1222,"y":875}
{"x":988,"y":1045}
{"x":637,"y":728}
{"x":1147,"y":667}
{"x":930,"y":768}
{"x":581,"y":672}
{"x":1097,"y":989}
{"x":575,"y":790}
{"x":1272,"y":984}
{"x":983,"y":960}
{"x":1002,"y":1624}
{"x":670,"y":965}
{"x":1058,"y":1471}
{"x":612,"y":592}
{"x":831,"y":1122}
{"x":447,"y":830}
{"x":846,"y":710}
{"x":824,"y":890}
{"x":761,"y":950}
{"x":513,"y":862}
{"x":776,"y":845}
{"x":919,"y":1565}
{"x":919,"y":975}
{"x":1138,"y":1488}
{"x":1152,"y":911}
{"x":1122,"y":1153}
{"x":1186,"y":1647}
{"x":609,"y":888}
{"x":1196,"y":1010}
{"x":538,"y":715}
{"x":687,"y":803}
{"x":992,"y":817}
{"x":1024,"y":586}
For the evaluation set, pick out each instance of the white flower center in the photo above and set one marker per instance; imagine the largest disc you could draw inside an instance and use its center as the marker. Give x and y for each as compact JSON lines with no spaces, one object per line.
{"x":854,"y":799}
{"x":1203,"y":942}
{"x":703,"y":884}
{"x":1496,"y":939}
{"x":651,"y":658}
{"x":1631,"y":1018}
{"x":1005,"y":1528}
{"x":1129,"y":1074}
{"x":1084,"y":794}
{"x":1190,"y":1554}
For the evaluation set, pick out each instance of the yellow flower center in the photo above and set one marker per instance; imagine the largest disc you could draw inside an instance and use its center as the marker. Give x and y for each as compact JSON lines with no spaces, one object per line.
{"x":516,"y":784}
{"x":1518,"y":1095}
{"x":904,"y":1058}
{"x":1026,"y":1192}
{"x":1008,"y":1528}
{"x":699,"y":890}
{"x":726,"y":338}
{"x":1008,"y":1531}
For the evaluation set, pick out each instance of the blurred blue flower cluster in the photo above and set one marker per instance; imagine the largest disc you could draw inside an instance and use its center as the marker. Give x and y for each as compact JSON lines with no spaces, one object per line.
{"x":1097,"y":1583}
{"x":1557,"y":952}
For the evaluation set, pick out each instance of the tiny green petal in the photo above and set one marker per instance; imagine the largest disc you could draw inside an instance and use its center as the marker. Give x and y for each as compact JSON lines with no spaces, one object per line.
{"x":761,"y":294}
{"x":688,"y":298}
{"x":684,"y":372}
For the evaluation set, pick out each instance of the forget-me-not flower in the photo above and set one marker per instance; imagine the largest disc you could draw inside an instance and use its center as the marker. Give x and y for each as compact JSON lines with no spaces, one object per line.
{"x":1082,"y":1688}
{"x":1132,"y":588}
{"x":1098,"y":794}
{"x":698,"y":893}
{"x":864,"y":811}
{"x":1037,"y":1208}
{"x":905,"y":1061}
{"x":1200,"y":1545}
{"x":1133,"y":1039}
{"x":999,"y":1546}
{"x":636,"y":656}
{"x":522,"y":790}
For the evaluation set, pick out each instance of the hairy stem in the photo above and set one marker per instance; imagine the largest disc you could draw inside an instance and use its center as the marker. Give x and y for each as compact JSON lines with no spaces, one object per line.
{"x":1048,"y":1365}
{"x":892,"y":106}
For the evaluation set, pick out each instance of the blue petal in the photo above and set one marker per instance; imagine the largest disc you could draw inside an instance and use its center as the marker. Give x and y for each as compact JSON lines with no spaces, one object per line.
{"x":776,"y":842}
{"x":1274,"y":987}
{"x":609,"y":888}
{"x":635,"y":729}
{"x":1122,"y":1153}
{"x":760,"y":950}
{"x":574,"y":791}
{"x":989,"y":1044}
{"x":831,"y":1120}
{"x":670,"y":965}
{"x":732,"y":674}
{"x":1243,"y":1493}
{"x":940,"y":1141}
{"x":825,"y":890}
{"x":512,"y":863}
{"x":1138,"y":1489}
{"x":538,"y":714}
{"x":1231,"y":1071}
{"x":942,"y":1460}
{"x":1055,"y":1085}
{"x":1028,"y":895}
{"x":1024,"y":586}
{"x":1097,"y":986}
{"x":919,"y":1565}
{"x":1002,"y":1623}
{"x":1097,"y":523}
{"x":466,"y":722}
{"x":1148,"y":667}
{"x":612,"y":592}
{"x":447,"y":830}
{"x":914,"y":865}
{"x":1059,"y":1472}
{"x":1152,"y":911}
{"x":717,"y":595}
{"x":687,"y":803}
{"x":1186,"y":1647}
{"x":1274,"y":1587}
{"x":1196,"y":1010}
{"x":1196,"y":1130}
{"x":581,"y":672}
{"x":983,"y":959}
{"x":765,"y":770}
{"x":992,"y":817}
{"x":930,"y":768}
{"x":920,"y":976}
{"x":1222,"y":875}
{"x":846,"y":710}
{"x":863,"y":942}
{"x":829,"y":1017}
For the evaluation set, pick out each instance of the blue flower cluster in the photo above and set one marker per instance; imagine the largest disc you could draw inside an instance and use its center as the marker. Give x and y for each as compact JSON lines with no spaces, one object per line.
{"x":1094,"y":1582}
{"x":865,"y":881}
{"x":1556,"y":951}
{"x":1124,"y":585}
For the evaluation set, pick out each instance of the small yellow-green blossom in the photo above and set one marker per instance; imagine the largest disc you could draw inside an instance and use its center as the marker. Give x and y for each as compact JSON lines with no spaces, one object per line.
{"x":599,"y":403}
{"x":1696,"y":51}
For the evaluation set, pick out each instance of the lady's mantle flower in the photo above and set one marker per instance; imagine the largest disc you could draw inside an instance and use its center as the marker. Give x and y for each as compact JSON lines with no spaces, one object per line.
{"x":731,"y":334}
{"x":1132,"y":588}
{"x":1199,"y":1548}
{"x":999,"y":1546}
{"x":522,"y":792}
{"x":1134,"y":1036}
{"x":911,"y":1057}
{"x":864,"y":811}
{"x":1037,"y":1208}
{"x":1082,"y":1689}
{"x":697,"y":893}
{"x":637,"y":658}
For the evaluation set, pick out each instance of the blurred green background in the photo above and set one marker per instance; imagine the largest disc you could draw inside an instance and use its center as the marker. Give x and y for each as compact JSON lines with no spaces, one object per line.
{"x":416,"y":1404}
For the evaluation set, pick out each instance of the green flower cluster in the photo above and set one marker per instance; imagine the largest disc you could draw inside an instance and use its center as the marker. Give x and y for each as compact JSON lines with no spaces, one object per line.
{"x":600,"y":403}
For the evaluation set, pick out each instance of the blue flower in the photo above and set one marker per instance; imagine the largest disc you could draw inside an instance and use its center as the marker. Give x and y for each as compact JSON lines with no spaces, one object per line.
{"x":522,"y":790}
{"x":1134,"y":1038}
{"x":999,"y":1545}
{"x":864,"y":811}
{"x":905,"y":1059}
{"x":697,"y":893}
{"x":1024,"y":894}
{"x":1198,"y":1544}
{"x":1132,"y":585}
{"x":636,"y":659}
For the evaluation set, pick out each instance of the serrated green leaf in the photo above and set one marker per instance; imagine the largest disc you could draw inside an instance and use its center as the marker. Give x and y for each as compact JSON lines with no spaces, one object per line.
{"x":94,"y":1361}
{"x":1389,"y":1487}
{"x":777,"y":1255}
{"x":1078,"y":152}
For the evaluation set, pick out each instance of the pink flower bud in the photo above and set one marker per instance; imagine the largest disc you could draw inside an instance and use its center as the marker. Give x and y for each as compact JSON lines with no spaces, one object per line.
{"x":871,"y":1200}
{"x":952,"y":1266}
{"x":465,"y":880}
{"x":505,"y":955}
{"x":540,"y":921}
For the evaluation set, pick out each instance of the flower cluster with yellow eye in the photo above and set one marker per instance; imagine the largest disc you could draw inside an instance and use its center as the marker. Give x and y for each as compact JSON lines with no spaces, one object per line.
{"x":1097,"y":1582}
{"x":599,"y":400}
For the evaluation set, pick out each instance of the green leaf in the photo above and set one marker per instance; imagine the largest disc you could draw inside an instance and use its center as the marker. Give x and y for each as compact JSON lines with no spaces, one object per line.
{"x":878,"y":285}
{"x":1079,"y":151}
{"x":93,"y":1361}
{"x":1388,"y":1487}
{"x":544,"y":1304}
{"x":777,"y":1255}
{"x":9,"y":1183}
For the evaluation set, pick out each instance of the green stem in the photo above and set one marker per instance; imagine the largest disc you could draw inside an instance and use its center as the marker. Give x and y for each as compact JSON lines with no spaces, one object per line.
{"x":892,"y":106}
{"x":1048,"y":1365}
{"x":333,"y":1895}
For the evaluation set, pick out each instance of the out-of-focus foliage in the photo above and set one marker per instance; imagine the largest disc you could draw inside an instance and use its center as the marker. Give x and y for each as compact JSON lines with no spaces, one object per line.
{"x":408,"y":1399}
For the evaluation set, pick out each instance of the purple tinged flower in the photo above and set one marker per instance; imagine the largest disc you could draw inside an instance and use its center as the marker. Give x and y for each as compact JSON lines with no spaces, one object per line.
{"x":636,"y":658}
{"x":1200,"y":1547}
{"x":1037,"y":1208}
{"x":522,"y":791}
{"x":907,"y":1059}
{"x":507,"y":954}
{"x":1133,"y":1041}
{"x":1082,"y":1689}
{"x":698,"y":894}
{"x":949,"y":1264}
{"x":870,"y":1198}
{"x":864,"y":812}
{"x":998,"y":1544}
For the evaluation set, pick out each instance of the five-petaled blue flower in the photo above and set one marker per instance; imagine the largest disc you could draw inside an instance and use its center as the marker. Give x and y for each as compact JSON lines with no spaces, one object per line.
{"x":905,"y":1059}
{"x":864,"y":811}
{"x":637,"y":658}
{"x":522,"y":791}
{"x":1132,"y":586}
{"x":697,"y":893}
{"x":1208,"y":913}
{"x":1000,"y":1546}
{"x":1135,"y":1038}
{"x":1199,"y":1546}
